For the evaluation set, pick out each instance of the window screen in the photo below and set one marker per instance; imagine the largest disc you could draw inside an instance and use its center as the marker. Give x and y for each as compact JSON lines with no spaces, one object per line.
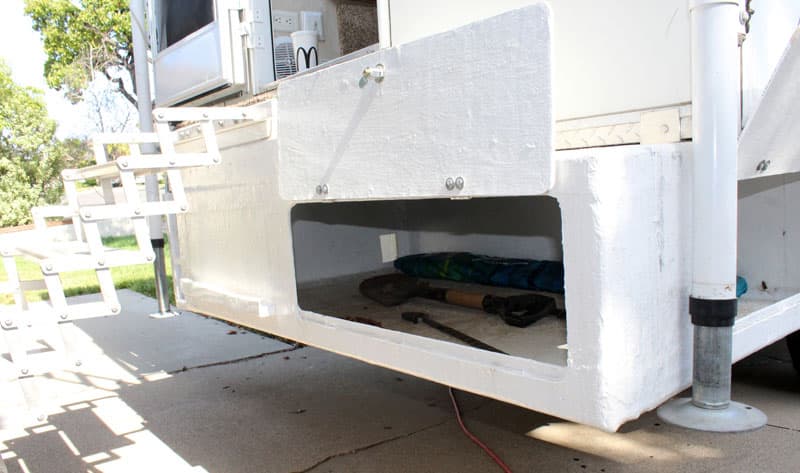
{"x":180,"y":18}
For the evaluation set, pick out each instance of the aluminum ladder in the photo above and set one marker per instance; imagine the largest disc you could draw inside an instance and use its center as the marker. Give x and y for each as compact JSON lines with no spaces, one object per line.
{"x":86,"y":251}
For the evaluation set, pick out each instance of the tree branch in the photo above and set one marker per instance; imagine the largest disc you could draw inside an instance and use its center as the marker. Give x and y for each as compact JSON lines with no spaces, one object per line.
{"x":121,"y":88}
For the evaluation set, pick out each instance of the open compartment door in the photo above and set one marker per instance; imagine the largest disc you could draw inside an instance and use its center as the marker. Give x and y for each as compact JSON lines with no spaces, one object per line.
{"x":463,"y":113}
{"x":770,"y":143}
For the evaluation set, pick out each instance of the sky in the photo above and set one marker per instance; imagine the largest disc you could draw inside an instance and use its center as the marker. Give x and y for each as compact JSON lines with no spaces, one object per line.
{"x":21,"y":47}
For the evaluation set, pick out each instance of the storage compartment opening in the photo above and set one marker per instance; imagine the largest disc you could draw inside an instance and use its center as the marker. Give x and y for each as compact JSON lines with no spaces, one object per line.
{"x":768,"y":256}
{"x":339,"y":245}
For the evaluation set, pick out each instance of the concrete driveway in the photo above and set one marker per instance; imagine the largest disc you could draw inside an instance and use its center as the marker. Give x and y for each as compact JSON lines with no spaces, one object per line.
{"x":190,"y":394}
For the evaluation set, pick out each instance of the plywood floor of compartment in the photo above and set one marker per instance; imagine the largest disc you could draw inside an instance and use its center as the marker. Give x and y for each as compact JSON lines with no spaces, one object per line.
{"x":543,"y":341}
{"x":756,"y":299}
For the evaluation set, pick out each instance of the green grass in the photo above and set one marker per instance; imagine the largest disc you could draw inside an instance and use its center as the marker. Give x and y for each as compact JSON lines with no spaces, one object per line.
{"x":85,"y":185}
{"x":138,"y":278}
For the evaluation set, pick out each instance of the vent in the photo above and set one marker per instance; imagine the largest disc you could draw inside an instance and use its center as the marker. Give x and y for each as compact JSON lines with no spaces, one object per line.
{"x":284,"y":57}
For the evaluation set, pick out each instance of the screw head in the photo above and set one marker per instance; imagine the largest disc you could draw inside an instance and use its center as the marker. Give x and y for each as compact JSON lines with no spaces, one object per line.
{"x":449,"y":183}
{"x":459,"y":183}
{"x":137,"y":211}
{"x":48,"y":267}
{"x":87,"y":214}
{"x":319,"y":189}
{"x":183,"y":208}
{"x":171,"y":162}
{"x":123,"y":163}
{"x":101,"y":262}
{"x":24,"y":371}
{"x":115,"y":310}
{"x":8,"y":323}
{"x":160,"y":115}
{"x":205,"y":115}
{"x":215,"y":160}
{"x":63,"y":316}
{"x":78,"y":362}
{"x":149,"y":258}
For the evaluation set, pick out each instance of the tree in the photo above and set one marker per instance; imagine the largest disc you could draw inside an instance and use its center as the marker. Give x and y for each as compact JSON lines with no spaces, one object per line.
{"x":82,"y":37}
{"x":31,"y":158}
{"x":106,"y":109}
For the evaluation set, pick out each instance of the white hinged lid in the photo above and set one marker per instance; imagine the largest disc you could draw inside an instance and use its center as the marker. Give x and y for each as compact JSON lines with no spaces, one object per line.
{"x":473,"y":103}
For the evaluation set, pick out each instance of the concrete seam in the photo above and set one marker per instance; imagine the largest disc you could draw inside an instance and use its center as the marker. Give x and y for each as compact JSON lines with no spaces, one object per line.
{"x":372,"y":445}
{"x":783,"y":428}
{"x":237,"y":360}
{"x":382,"y":442}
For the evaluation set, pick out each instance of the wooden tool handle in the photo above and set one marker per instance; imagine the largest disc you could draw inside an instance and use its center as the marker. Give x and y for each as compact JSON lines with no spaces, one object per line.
{"x":464,"y":299}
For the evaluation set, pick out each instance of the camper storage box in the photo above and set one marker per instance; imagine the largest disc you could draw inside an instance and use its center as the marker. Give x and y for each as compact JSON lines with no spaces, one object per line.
{"x":448,"y":143}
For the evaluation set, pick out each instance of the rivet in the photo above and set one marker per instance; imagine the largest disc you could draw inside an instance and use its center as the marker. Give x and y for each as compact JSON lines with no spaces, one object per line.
{"x":244,"y":114}
{"x":319,"y":189}
{"x":149,"y":258}
{"x":123,"y":163}
{"x":171,"y":162}
{"x":137,"y":211}
{"x":449,"y":183}
{"x":24,"y":371}
{"x":78,"y":362}
{"x":763,"y":165}
{"x":665,"y":129}
{"x":101,"y":262}
{"x":8,"y":323}
{"x":183,"y":208}
{"x":220,"y":123}
{"x":205,"y":115}
{"x":41,"y":417}
{"x":114,"y":310}
{"x":64,"y":316}
{"x":459,"y":182}
{"x":48,"y":267}
{"x":215,"y":159}
{"x":160,"y":115}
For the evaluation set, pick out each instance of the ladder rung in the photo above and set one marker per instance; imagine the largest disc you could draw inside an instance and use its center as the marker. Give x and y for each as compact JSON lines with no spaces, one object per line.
{"x":40,"y":250}
{"x":92,"y":213}
{"x":75,"y":256}
{"x":141,"y":165}
{"x":95,"y":171}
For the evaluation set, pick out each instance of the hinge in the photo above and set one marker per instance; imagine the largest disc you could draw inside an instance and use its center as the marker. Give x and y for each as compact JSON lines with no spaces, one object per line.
{"x":745,"y":15}
{"x":254,"y":25}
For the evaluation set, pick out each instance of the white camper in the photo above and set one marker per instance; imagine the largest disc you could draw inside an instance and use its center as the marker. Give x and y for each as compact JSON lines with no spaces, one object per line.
{"x":648,"y":147}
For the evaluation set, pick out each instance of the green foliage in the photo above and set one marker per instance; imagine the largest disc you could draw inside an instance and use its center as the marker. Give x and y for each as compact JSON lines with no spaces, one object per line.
{"x":30,"y":158}
{"x":82,"y":37}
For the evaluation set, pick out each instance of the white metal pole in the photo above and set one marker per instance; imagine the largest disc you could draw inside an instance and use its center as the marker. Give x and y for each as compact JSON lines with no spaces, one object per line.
{"x":141,"y":70}
{"x":713,"y":305}
{"x":715,"y":131}
{"x":384,"y":24}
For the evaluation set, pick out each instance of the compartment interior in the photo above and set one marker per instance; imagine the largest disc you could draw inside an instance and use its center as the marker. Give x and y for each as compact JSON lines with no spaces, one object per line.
{"x":338,"y":245}
{"x":768,"y":250}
